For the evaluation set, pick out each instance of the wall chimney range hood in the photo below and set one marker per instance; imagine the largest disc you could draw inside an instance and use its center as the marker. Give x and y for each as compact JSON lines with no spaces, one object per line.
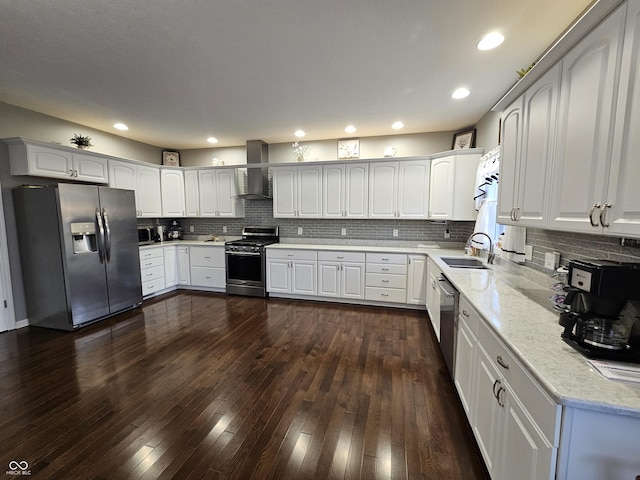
{"x":257,"y":178}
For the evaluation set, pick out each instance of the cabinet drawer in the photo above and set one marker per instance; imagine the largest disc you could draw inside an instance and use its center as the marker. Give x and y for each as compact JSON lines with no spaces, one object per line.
{"x":386,"y":269}
{"x":395,"y":295}
{"x":342,"y":256}
{"x":535,"y":400}
{"x":470,"y":316}
{"x":386,"y":281}
{"x":208,"y":277}
{"x":151,"y":262}
{"x":292,"y":254}
{"x":207,"y":257}
{"x":395,"y":258}
{"x":152,"y":286}
{"x":152,"y":273}
{"x":148,"y":253}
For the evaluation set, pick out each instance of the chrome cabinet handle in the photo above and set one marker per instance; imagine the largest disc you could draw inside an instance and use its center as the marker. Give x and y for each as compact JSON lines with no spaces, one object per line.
{"x":603,"y":215}
{"x":516,"y":211}
{"x":501,"y":392}
{"x":595,"y":207}
{"x":496,"y":384}
{"x":502,"y":363}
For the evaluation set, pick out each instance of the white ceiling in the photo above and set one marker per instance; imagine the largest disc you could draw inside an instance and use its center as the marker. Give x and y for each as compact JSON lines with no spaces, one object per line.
{"x":180,"y":71}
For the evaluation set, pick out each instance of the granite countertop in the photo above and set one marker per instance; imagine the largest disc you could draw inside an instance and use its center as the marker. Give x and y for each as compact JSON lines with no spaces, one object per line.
{"x":513,"y":301}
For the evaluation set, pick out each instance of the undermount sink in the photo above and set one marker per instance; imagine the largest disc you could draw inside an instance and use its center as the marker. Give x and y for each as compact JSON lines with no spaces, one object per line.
{"x":463,"y":262}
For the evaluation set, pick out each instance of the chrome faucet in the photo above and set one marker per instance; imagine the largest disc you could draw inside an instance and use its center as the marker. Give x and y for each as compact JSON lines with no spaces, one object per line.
{"x":491,"y":255}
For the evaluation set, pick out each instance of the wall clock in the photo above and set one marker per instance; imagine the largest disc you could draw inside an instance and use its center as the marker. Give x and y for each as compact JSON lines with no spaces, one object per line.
{"x":171,"y":159}
{"x":348,"y":148}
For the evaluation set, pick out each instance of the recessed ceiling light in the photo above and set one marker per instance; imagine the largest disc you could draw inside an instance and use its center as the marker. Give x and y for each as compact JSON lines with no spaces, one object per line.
{"x":212,"y":140}
{"x":350,"y":129}
{"x":490,"y":40}
{"x":299,"y":133}
{"x":121,"y":126}
{"x":397,"y":125}
{"x":460,"y":93}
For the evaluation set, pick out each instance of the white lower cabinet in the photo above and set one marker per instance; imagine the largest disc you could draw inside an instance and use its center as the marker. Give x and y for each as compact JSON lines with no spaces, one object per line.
{"x":184,"y":265}
{"x":341,"y":274}
{"x":292,"y":271}
{"x":433,"y":296}
{"x":516,"y":424}
{"x":207,"y":267}
{"x":386,"y":277}
{"x":170,"y":266}
{"x":417,"y":280}
{"x":152,"y":270}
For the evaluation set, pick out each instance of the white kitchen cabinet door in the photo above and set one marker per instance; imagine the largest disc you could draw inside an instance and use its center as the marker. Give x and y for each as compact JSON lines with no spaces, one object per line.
{"x":622,"y":195}
{"x":90,"y":168}
{"x":333,"y":191}
{"x":278,"y":276}
{"x":588,"y":91}
{"x":310,"y":191}
{"x":353,"y":280}
{"x":383,"y":190}
{"x":191,"y":193}
{"x":525,"y":453}
{"x":441,"y":188}
{"x":464,"y":378}
{"x":488,"y":413}
{"x":170,"y":266}
{"x":417,"y":280}
{"x":148,"y":198}
{"x":433,"y":296}
{"x":208,"y":195}
{"x":356,"y":195}
{"x":329,"y":279}
{"x":285,"y":191}
{"x":229,"y":205}
{"x":510,"y":159}
{"x":172,"y":187}
{"x":48,"y":162}
{"x":123,"y":175}
{"x":184,"y":266}
{"x":304,"y":277}
{"x":413,"y":189}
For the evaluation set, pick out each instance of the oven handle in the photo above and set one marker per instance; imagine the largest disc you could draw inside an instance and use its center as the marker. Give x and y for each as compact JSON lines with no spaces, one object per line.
{"x":245,"y":254}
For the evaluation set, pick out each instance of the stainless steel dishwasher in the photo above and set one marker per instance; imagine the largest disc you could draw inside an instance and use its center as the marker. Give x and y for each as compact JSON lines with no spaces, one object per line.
{"x":448,"y":321}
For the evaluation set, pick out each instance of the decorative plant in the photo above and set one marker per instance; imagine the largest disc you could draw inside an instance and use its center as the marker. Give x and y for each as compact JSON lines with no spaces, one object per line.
{"x":81,"y":142}
{"x":299,"y":150}
{"x":524,"y":71}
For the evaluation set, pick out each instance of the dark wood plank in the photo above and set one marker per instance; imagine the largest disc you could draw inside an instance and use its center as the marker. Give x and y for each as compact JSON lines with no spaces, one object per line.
{"x":207,"y":386}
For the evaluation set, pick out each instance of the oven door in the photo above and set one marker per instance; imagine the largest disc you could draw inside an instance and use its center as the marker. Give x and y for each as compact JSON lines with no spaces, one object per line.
{"x":245,"y":268}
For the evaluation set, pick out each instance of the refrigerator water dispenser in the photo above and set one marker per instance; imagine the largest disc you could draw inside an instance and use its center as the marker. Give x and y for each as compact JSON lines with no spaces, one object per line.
{"x":84,"y":237}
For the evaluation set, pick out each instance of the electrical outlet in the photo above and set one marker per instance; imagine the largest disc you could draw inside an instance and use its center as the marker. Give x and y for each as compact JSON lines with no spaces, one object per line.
{"x":224,"y":229}
{"x":447,"y":233}
{"x":395,"y":232}
{"x":343,"y":232}
{"x":299,"y":230}
{"x":528,"y":252}
{"x":191,"y":229}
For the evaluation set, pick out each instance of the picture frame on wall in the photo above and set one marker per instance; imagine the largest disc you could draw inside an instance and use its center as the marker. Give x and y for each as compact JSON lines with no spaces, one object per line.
{"x":464,"y":140}
{"x":170,"y":158}
{"x":348,"y":148}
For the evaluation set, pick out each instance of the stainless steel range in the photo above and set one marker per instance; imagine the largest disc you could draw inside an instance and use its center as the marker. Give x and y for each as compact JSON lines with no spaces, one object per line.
{"x":246,"y":261}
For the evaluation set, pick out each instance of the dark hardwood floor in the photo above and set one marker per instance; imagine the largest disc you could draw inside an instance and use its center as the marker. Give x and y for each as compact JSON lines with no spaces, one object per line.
{"x":197,"y":385}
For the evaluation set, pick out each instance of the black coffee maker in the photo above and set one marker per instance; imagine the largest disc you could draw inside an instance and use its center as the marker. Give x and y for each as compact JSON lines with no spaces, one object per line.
{"x":601,"y":320}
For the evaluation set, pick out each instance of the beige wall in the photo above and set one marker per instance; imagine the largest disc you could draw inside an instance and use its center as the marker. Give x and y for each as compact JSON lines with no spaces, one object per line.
{"x":487,"y":131}
{"x":18,"y":122}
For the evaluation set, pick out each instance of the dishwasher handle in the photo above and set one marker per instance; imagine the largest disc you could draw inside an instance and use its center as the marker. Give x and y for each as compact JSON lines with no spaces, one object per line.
{"x":446,"y":287}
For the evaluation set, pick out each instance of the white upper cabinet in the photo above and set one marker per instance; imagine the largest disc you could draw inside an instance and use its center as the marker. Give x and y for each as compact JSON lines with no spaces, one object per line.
{"x":624,"y":178}
{"x":345,"y":190}
{"x":29,"y":157}
{"x":585,"y":140}
{"x":172,"y":187}
{"x":452,"y":186}
{"x":145,"y":181}
{"x":217,"y":192}
{"x":297,"y":191}
{"x":399,"y":189}
{"x":191,"y":193}
{"x":528,"y":127}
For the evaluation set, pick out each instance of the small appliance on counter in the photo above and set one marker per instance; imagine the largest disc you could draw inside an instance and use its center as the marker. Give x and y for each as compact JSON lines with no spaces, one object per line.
{"x":603,"y":302}
{"x":161,"y":234}
{"x":175,"y":231}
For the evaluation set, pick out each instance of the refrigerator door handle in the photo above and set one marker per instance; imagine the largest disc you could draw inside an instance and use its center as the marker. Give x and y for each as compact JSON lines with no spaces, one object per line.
{"x":100,"y":235}
{"x":107,"y":230}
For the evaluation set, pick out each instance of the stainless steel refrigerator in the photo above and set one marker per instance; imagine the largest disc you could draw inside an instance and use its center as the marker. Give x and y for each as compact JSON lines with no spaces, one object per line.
{"x":79,"y":253}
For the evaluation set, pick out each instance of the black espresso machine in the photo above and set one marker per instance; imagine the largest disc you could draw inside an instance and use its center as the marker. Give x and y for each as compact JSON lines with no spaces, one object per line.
{"x":602,"y":309}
